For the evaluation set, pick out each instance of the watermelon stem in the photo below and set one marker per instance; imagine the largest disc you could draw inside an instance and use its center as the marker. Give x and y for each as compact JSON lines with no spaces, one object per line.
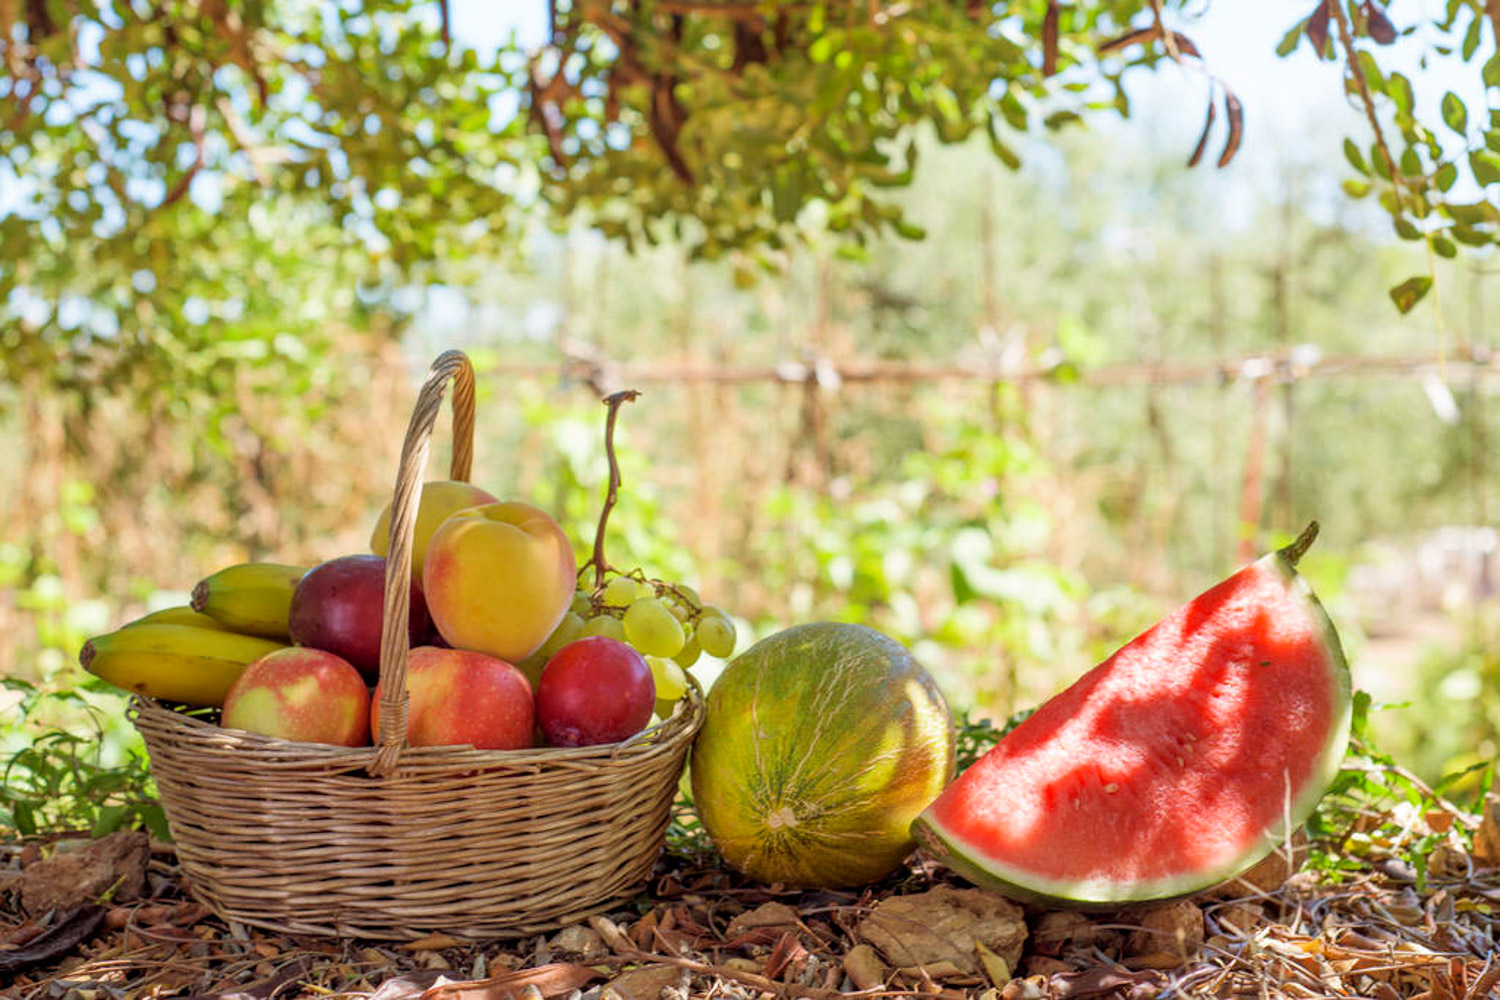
{"x":1295,"y":551}
{"x":614,"y":401}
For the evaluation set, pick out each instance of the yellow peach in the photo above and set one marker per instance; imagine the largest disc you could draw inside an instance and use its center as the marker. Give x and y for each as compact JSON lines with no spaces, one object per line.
{"x":440,"y":499}
{"x":499,"y":578}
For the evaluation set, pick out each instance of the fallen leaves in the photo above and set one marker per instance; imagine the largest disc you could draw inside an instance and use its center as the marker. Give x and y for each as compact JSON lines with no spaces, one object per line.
{"x":112,"y":867}
{"x":704,"y":934}
{"x":941,"y":930}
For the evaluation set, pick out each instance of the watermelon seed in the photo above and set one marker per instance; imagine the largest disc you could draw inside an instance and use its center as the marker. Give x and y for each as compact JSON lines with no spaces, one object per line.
{"x":1111,"y":788}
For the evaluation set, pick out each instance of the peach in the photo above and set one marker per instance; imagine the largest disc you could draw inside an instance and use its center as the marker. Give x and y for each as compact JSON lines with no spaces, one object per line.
{"x":303,"y":694}
{"x":499,"y":578}
{"x":461,"y":697}
{"x":439,"y":500}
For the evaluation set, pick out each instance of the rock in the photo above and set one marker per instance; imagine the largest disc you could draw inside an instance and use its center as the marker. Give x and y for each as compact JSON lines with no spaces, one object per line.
{"x":1174,"y":930}
{"x":1487,"y":837}
{"x":115,"y":864}
{"x":644,"y":983}
{"x":1059,"y":931}
{"x":576,"y":939}
{"x":943,"y":925}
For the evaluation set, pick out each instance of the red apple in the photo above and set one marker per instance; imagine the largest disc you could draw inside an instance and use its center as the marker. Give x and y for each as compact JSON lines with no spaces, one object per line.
{"x":301,"y":694}
{"x":338,"y":606}
{"x":594,"y":690}
{"x":458,"y":696}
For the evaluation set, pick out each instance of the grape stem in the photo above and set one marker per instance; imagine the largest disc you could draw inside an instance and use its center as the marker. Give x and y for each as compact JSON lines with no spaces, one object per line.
{"x":614,"y":401}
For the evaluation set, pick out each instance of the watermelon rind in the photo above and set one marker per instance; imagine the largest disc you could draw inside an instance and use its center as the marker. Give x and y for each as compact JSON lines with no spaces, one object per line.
{"x":973,"y":863}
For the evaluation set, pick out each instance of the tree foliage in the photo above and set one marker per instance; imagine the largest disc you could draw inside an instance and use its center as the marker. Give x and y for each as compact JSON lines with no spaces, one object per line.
{"x":175,"y":174}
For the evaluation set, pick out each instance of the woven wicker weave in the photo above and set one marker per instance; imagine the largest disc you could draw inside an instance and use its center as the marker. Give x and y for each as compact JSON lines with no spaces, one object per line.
{"x":393,"y":842}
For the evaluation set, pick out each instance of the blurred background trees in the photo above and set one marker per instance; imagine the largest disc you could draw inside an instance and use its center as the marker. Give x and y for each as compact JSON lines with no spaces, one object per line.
{"x":929,"y":336}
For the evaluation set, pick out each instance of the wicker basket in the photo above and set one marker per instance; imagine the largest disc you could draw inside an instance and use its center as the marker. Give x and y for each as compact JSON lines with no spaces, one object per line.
{"x":392,"y":842}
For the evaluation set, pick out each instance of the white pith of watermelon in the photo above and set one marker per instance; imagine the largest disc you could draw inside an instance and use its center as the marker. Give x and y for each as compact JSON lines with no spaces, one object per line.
{"x":1175,"y":764}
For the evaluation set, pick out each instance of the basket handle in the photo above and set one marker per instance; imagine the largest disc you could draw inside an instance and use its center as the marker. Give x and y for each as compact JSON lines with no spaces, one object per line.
{"x":394,"y":639}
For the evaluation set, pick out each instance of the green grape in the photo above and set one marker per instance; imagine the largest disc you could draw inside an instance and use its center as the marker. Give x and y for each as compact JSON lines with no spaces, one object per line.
{"x":605,"y":625}
{"x":689,"y":653}
{"x":583,"y":604}
{"x":570,"y":628}
{"x":683,"y":602}
{"x":652,"y":629}
{"x":671,"y":682}
{"x":619,"y":592}
{"x":716,"y":632}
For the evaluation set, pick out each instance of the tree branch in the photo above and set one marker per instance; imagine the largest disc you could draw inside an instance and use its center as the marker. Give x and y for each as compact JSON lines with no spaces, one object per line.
{"x":1357,"y":72}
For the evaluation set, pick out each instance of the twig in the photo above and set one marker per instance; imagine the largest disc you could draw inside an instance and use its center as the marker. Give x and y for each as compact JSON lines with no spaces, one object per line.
{"x":197,"y":119}
{"x":614,"y":401}
{"x":1351,"y":58}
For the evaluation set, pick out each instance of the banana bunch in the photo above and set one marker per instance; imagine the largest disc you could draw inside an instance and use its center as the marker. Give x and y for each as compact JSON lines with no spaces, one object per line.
{"x":190,"y":664}
{"x":254,"y":598}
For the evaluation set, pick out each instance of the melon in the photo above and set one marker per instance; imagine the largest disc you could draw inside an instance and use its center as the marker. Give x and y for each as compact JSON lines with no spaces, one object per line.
{"x":820,"y":745}
{"x":1175,"y":764}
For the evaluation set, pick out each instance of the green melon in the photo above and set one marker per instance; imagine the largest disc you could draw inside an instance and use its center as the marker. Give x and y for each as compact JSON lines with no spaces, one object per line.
{"x":820,"y":745}
{"x":1175,"y":764}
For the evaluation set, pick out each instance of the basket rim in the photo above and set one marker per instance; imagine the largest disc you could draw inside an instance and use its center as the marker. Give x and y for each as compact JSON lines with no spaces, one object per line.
{"x":681,"y":726}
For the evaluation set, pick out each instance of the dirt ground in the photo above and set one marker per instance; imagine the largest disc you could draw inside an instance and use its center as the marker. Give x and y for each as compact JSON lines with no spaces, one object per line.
{"x":700,"y":932}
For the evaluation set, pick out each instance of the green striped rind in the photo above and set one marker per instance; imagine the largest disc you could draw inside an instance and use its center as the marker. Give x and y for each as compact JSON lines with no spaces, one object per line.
{"x":820,"y":745}
{"x":967,"y":860}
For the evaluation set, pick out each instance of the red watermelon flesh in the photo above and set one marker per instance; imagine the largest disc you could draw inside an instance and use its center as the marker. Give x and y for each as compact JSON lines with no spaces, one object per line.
{"x":1175,"y":764}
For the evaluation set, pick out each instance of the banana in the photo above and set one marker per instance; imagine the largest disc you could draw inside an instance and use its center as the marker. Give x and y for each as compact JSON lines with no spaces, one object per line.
{"x":180,"y":615}
{"x":183,"y":663}
{"x":254,"y":597}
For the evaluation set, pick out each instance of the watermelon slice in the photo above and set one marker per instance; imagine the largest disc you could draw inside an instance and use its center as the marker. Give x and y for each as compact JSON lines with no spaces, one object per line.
{"x":1175,"y":764}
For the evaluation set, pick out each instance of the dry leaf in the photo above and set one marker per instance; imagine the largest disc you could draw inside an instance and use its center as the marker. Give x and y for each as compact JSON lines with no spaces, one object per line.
{"x":1098,"y":981}
{"x":644,"y":983}
{"x":556,"y":979}
{"x":62,"y":937}
{"x":788,"y":958}
{"x":996,"y":969}
{"x":1487,"y":837}
{"x":864,"y":968}
{"x":944,"y":925}
{"x":777,"y":915}
{"x":115,"y":864}
{"x":407,"y":986}
{"x":432,"y":942}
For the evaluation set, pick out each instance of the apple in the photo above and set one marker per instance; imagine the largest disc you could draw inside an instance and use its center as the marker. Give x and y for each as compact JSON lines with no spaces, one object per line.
{"x":303,"y":694}
{"x":440,"y":499}
{"x":594,"y":690}
{"x":339,"y":605}
{"x":457,"y":696}
{"x":499,"y":578}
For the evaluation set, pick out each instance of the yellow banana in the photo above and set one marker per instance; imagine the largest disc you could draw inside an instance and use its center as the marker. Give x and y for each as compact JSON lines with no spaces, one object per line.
{"x":180,"y":615}
{"x":184,"y":663}
{"x":254,"y":598}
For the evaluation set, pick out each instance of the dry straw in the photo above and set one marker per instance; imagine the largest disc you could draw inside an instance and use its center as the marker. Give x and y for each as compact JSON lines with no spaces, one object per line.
{"x":393,"y":842}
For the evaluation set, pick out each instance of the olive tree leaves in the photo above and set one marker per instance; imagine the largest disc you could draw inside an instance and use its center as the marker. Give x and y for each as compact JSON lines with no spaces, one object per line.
{"x":154,"y":156}
{"x":1431,"y":178}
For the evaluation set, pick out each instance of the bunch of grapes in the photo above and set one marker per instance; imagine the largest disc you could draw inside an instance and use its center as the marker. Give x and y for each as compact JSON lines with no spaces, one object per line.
{"x":667,"y":623}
